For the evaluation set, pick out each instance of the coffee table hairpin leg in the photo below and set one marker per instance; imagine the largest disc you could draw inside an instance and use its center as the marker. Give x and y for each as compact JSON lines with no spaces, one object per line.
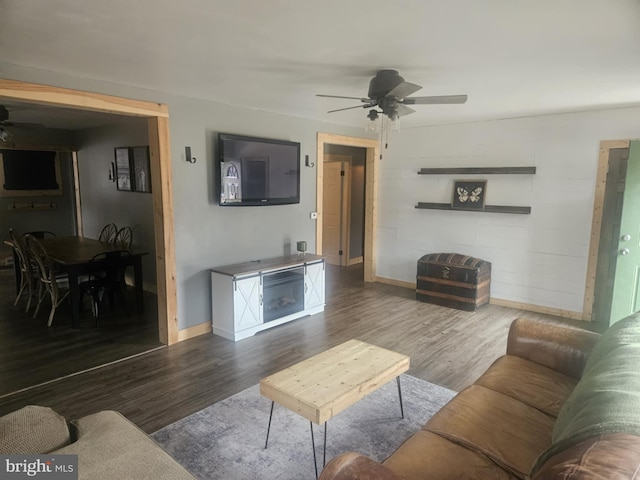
{"x":313,"y":443}
{"x":324,"y":448}
{"x":400,"y":395}
{"x":266,"y":442}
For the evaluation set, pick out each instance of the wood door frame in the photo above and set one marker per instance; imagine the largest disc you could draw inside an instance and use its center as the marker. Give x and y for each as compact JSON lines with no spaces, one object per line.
{"x":596,"y":224}
{"x":371,"y":194}
{"x":157,"y":116}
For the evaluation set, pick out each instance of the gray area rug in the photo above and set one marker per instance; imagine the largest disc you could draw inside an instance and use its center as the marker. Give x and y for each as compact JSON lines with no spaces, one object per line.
{"x":226,"y":440}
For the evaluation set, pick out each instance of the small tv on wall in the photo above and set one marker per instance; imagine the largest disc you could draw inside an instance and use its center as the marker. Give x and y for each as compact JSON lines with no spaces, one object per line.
{"x":258,"y":171}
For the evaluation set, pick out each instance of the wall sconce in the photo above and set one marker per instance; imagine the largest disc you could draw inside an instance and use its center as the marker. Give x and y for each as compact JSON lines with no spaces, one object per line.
{"x":307,"y":163}
{"x":112,"y":172}
{"x":187,"y":155}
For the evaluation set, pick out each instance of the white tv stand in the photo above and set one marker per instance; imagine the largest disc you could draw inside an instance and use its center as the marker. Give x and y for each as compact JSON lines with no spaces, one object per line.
{"x":249,"y":297}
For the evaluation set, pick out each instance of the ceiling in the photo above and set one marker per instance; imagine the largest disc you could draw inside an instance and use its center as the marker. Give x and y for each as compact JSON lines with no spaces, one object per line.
{"x":511,"y":58}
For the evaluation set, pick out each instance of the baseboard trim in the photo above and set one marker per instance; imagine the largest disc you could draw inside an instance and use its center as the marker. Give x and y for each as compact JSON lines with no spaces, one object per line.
{"x":529,"y":307}
{"x":196,"y":331}
{"x":354,"y":261}
{"x":397,"y":283}
{"x":537,"y":308}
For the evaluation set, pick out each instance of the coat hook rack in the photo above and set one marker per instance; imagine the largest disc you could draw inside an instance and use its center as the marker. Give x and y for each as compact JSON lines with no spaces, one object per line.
{"x":26,"y":206}
{"x":187,"y":155}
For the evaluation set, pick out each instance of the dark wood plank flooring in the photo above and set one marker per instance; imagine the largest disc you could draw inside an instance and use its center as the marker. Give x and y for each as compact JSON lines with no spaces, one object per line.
{"x":447,"y":347}
{"x":31,"y":353}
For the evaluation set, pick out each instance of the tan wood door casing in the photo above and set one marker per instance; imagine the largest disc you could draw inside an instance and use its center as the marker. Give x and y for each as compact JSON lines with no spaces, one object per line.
{"x":371,"y":194}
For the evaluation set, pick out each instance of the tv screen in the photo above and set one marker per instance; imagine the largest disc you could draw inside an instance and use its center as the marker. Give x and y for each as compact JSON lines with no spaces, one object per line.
{"x":258,"y":171}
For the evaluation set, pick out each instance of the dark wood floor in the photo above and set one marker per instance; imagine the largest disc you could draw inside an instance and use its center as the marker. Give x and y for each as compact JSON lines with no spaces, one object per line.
{"x":447,"y":347}
{"x":31,"y":353}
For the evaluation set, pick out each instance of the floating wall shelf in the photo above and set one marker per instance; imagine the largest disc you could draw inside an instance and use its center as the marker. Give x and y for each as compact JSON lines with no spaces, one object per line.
{"x":478,"y":170}
{"x":486,"y":209}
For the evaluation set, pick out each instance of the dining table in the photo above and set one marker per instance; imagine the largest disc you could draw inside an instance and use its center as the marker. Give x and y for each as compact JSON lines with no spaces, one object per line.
{"x":73,"y":255}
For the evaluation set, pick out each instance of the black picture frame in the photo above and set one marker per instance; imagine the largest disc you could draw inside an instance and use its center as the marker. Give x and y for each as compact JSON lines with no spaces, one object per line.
{"x":123,"y":169}
{"x":133,"y":169}
{"x":141,"y":169}
{"x":469,"y":194}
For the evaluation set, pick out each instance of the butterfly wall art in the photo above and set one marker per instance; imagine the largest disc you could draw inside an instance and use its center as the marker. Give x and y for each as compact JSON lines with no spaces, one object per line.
{"x":469,"y":194}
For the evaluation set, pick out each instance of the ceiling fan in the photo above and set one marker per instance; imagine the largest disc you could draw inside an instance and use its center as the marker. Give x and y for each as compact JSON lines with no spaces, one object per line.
{"x":389,"y":92}
{"x":4,"y":120}
{"x":6,"y":135}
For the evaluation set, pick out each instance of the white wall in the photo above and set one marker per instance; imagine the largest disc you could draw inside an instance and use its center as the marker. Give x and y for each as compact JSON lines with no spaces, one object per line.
{"x":539,"y":259}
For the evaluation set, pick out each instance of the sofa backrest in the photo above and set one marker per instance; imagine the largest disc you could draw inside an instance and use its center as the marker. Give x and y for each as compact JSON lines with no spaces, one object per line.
{"x":554,"y":346}
{"x":605,"y":402}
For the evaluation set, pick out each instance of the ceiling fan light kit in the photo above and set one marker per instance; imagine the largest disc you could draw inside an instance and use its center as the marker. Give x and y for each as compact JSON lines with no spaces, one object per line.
{"x":5,"y":135}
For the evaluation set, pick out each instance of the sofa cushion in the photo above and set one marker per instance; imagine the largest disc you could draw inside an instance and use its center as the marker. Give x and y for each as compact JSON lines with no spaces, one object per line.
{"x":110,"y":446}
{"x":610,"y":457}
{"x":428,"y":455}
{"x":351,"y":465}
{"x":538,"y":386}
{"x":509,"y":432}
{"x":607,"y":397}
{"x":32,"y":430}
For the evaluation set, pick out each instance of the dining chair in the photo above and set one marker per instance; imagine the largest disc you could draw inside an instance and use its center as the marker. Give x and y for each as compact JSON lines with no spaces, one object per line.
{"x":108,"y":233}
{"x":124,"y":238}
{"x":51,"y":283}
{"x":106,"y":276}
{"x":28,"y":271}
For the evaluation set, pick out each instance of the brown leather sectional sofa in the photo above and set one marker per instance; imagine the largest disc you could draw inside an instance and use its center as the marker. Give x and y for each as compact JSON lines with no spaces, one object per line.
{"x":562,"y":403}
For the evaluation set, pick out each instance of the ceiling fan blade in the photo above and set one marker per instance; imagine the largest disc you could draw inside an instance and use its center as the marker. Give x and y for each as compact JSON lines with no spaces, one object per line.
{"x":350,"y":108}
{"x":403,"y":89}
{"x":349,"y":98}
{"x":403,"y":110}
{"x":435,"y":100}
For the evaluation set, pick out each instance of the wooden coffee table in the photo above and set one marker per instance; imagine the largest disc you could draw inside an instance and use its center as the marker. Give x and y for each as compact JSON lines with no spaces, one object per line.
{"x":324,"y":385}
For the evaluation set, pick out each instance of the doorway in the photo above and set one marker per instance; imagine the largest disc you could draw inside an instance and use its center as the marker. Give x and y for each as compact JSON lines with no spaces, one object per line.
{"x":612,"y":282}
{"x":157,"y":116}
{"x":359,"y":248}
{"x":343,"y":205}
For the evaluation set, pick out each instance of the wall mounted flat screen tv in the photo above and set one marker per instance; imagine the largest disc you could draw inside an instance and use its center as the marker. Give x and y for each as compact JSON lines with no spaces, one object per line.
{"x":29,"y":173}
{"x":258,"y":171}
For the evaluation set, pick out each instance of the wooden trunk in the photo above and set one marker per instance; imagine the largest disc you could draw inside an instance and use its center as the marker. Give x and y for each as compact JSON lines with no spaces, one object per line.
{"x":453,"y":280}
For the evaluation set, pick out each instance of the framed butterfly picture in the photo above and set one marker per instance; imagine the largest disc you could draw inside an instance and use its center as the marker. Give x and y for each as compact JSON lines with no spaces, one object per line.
{"x":469,"y":194}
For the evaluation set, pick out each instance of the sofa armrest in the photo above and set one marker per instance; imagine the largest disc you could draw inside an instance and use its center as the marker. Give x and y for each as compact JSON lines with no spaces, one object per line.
{"x":354,"y":466}
{"x":110,"y":446}
{"x":558,"y":347}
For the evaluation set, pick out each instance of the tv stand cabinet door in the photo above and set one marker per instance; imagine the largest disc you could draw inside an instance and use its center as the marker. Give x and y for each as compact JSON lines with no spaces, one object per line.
{"x":247,"y":302}
{"x":314,"y":285}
